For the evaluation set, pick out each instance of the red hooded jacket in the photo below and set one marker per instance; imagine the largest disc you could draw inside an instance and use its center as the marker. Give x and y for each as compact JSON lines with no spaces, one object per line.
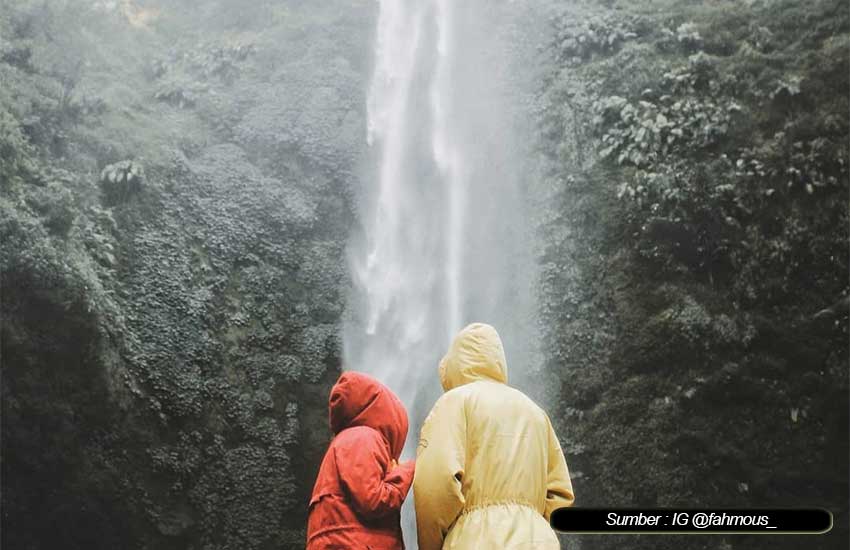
{"x":359,"y":491}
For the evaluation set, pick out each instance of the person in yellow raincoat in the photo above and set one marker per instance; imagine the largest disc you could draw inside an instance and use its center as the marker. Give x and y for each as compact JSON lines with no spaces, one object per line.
{"x":489,"y":467}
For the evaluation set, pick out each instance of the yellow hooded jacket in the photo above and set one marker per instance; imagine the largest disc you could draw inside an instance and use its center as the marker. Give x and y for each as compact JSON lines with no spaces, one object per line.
{"x":489,"y":468}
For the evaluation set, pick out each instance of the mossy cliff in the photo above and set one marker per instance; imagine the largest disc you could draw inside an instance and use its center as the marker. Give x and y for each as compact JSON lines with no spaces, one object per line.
{"x":173,"y":218}
{"x":696,"y":272}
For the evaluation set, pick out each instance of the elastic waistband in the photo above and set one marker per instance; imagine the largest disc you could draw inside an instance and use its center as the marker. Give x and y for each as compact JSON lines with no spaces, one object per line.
{"x":389,"y":534}
{"x":504,"y":502}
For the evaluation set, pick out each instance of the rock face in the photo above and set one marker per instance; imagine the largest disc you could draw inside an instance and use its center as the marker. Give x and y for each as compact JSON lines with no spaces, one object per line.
{"x":170,"y":334}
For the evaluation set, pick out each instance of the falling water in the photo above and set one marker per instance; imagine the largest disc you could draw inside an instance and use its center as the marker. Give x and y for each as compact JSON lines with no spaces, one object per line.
{"x":449,"y":157}
{"x":445,"y":239}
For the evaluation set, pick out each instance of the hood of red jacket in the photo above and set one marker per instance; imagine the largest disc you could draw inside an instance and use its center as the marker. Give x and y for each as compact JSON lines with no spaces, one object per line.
{"x":360,"y":400}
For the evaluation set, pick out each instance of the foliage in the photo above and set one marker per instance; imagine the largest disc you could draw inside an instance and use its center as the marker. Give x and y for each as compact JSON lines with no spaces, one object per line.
{"x":185,"y":74}
{"x":180,"y":286}
{"x":121,"y":178}
{"x":205,"y":60}
{"x":598,"y":35}
{"x":42,"y":68}
{"x":686,"y":115}
{"x":717,"y":147}
{"x":15,"y":150}
{"x":696,"y":267}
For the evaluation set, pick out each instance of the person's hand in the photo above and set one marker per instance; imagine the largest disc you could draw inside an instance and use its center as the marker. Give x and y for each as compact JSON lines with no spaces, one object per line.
{"x":406,"y":465}
{"x":400,"y":473}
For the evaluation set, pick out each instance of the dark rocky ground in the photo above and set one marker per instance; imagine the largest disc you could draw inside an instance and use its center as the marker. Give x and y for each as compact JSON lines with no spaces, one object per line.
{"x":177,"y":188}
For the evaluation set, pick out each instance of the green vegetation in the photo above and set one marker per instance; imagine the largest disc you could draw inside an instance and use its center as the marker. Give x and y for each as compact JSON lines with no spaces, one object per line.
{"x":172,"y":226}
{"x":699,"y":153}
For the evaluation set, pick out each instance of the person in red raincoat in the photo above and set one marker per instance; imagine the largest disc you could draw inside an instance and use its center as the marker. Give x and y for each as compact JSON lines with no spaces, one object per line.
{"x":357,"y":497}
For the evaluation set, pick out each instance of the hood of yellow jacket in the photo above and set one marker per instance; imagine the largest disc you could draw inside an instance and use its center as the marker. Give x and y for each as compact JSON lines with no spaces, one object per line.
{"x":475,"y":354}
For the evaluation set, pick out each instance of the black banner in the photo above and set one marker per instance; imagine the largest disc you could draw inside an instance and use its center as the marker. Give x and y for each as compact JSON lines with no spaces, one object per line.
{"x":814,"y":521}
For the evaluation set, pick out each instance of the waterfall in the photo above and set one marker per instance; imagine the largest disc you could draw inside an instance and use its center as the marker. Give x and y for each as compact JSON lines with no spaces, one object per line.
{"x":449,"y":158}
{"x":444,"y":238}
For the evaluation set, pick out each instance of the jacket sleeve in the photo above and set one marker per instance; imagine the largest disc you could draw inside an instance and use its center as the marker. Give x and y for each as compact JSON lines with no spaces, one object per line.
{"x":440,"y":460}
{"x":559,"y":488}
{"x":363,"y":463}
